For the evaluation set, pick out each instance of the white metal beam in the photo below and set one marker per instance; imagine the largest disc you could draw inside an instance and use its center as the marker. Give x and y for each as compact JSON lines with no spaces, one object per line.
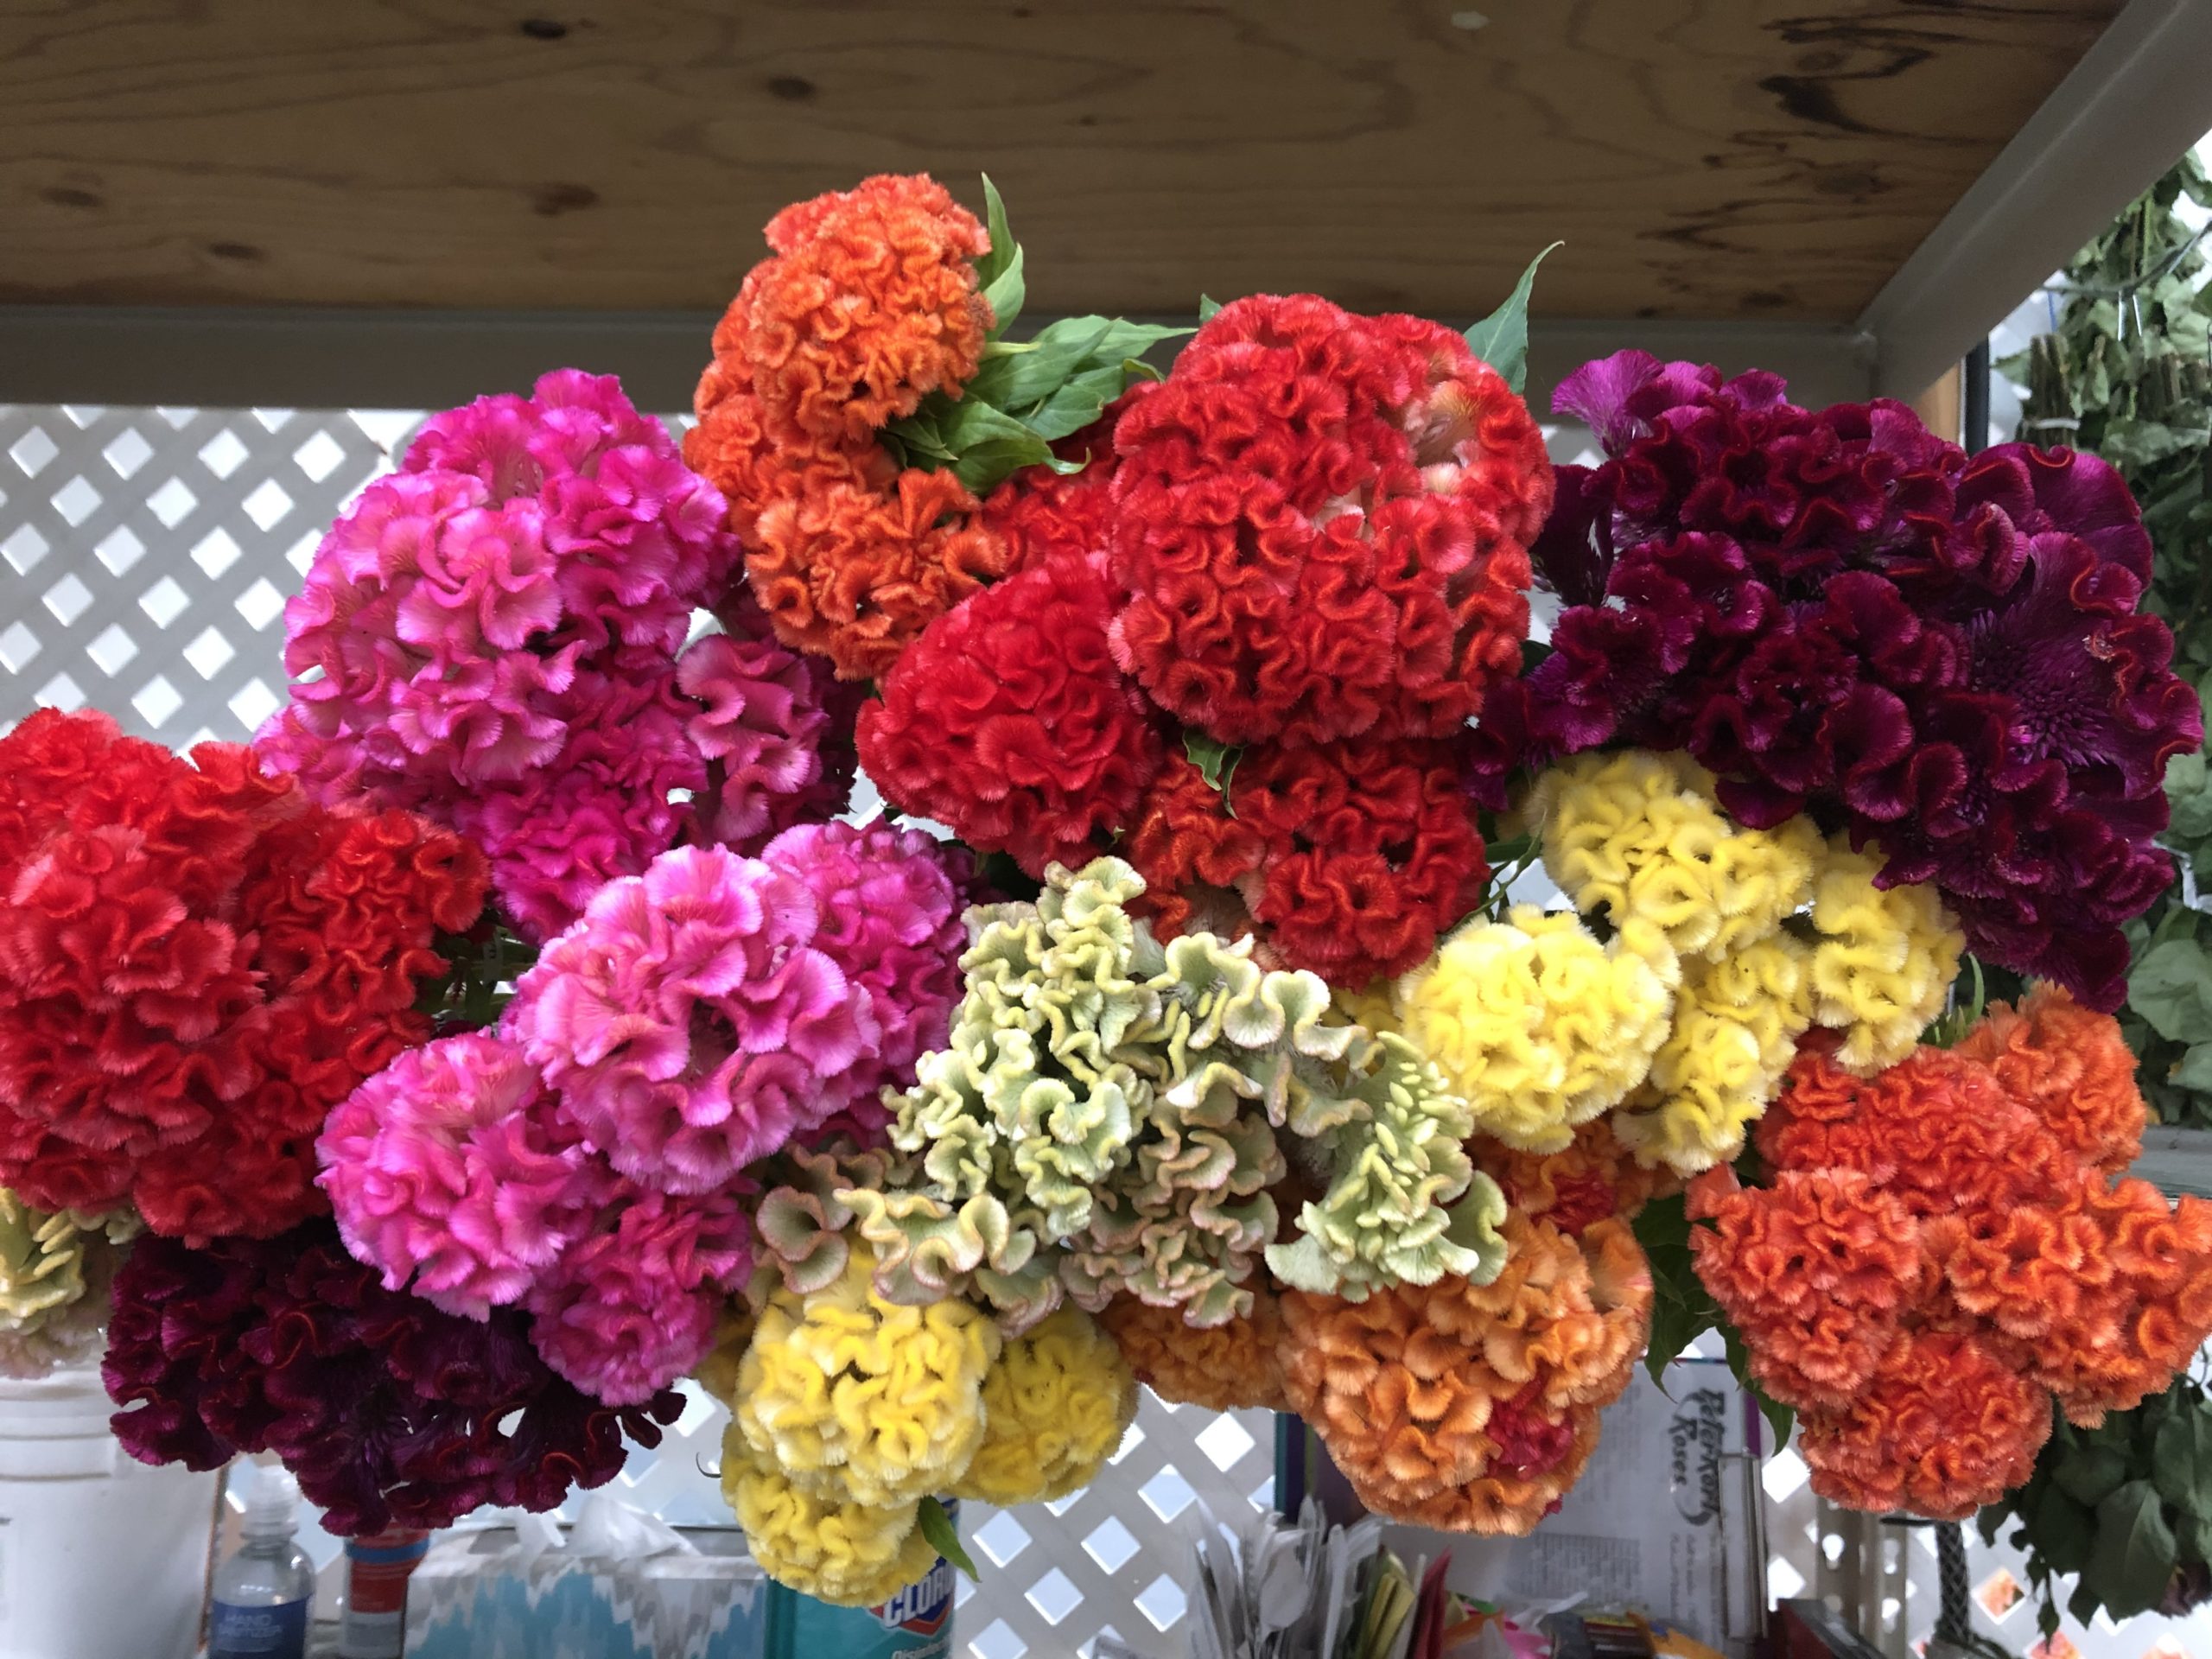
{"x":2139,"y":97}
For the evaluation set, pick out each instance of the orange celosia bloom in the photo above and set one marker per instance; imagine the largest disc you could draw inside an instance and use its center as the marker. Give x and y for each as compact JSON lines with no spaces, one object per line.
{"x":1594,"y":1178}
{"x":1818,"y":1272}
{"x":1942,"y":1427}
{"x":1936,"y":1130}
{"x":1942,"y":1251}
{"x":870,"y":305}
{"x":1468,"y":1406}
{"x":1223,"y":1367}
{"x":2072,"y":1067}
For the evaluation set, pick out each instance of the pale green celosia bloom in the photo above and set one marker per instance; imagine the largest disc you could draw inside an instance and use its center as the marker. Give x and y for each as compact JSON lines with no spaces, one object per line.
{"x":55,"y":1271}
{"x":1116,"y":1111}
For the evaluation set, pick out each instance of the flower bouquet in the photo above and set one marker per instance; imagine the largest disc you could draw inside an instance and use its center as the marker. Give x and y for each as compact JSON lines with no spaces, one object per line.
{"x":523,"y":1022}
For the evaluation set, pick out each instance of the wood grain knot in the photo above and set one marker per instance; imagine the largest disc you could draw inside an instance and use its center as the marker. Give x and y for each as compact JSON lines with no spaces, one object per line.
{"x":552,"y":200}
{"x":544,"y":29}
{"x":793,"y":89}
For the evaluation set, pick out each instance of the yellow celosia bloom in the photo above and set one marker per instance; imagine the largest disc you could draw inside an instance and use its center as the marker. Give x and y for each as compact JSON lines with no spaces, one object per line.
{"x":879,"y":1403}
{"x":1538,"y":1024}
{"x":1055,"y":1408}
{"x":854,"y":1554}
{"x":1641,"y":835}
{"x":1883,"y":960}
{"x":1737,"y":1024}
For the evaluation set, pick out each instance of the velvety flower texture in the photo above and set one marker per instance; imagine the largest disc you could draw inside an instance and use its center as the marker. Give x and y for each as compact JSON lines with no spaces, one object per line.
{"x":887,"y":907}
{"x":1348,"y":859}
{"x":868,"y":304}
{"x":1225,"y":1367}
{"x":1838,"y":611}
{"x":453,"y":1173}
{"x":389,"y":1411}
{"x":490,"y":637}
{"x":1937,"y":1256}
{"x":195,"y":966}
{"x":1008,"y":722}
{"x":687,"y":1021}
{"x":1322,"y":521}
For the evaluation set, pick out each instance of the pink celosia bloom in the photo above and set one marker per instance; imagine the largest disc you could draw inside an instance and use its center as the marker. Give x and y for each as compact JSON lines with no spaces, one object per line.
{"x":768,"y":710}
{"x":631,"y":1308}
{"x":451,"y":1168}
{"x":889,"y":905}
{"x":687,"y":1022}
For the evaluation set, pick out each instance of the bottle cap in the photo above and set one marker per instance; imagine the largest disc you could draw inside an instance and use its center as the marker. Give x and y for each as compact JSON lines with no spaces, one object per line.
{"x":272,"y":1503}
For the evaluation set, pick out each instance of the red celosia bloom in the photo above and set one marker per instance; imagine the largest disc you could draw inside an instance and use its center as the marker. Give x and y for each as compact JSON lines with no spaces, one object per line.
{"x":389,"y":1411}
{"x":1322,"y":521}
{"x":1008,"y":722}
{"x":1039,"y":512}
{"x":1593,"y":1178}
{"x":1943,"y":1427}
{"x":1350,"y":857}
{"x":2073,"y":1067}
{"x":1372,"y":853}
{"x":1191,"y":852}
{"x":195,"y":965}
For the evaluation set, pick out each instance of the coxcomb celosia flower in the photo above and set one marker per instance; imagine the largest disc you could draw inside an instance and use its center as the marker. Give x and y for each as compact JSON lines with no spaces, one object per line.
{"x":1322,"y":522}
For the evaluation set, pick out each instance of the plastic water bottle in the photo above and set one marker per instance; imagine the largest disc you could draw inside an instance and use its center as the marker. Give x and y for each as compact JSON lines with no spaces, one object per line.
{"x":263,"y":1593}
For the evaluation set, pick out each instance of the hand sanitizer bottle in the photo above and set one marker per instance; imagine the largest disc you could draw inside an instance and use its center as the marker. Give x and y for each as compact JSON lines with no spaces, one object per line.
{"x":263,"y":1593}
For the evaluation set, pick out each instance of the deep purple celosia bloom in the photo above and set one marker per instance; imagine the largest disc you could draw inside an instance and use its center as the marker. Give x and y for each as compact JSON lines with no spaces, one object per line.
{"x":889,"y":902}
{"x":1838,"y":611}
{"x":628,"y":1310}
{"x":389,"y":1411}
{"x":453,"y":1173}
{"x":687,"y":1022}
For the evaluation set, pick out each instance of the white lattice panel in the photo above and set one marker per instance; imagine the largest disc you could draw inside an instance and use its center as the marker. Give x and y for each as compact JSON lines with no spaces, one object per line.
{"x":146,"y":554}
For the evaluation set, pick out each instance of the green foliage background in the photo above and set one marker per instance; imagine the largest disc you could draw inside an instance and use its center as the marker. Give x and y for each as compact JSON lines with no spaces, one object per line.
{"x":2126,"y":374}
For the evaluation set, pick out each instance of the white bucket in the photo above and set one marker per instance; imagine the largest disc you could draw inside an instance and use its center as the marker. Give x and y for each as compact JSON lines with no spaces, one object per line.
{"x":100,"y":1555}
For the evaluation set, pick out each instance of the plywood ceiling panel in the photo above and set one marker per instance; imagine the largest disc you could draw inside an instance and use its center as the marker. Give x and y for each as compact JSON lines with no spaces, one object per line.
{"x":1701,"y":158}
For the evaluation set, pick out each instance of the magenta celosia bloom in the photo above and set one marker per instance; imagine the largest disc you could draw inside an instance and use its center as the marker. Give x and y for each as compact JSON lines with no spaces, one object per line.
{"x":889,"y":902}
{"x":453,"y":1173}
{"x":389,"y":1411}
{"x":768,"y":711}
{"x":1838,"y":611}
{"x":629,"y":1309}
{"x":489,"y":637}
{"x":687,"y":1022}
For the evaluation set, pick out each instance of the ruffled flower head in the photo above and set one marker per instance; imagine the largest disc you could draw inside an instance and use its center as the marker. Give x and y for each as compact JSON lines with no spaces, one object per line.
{"x":195,"y":966}
{"x":869,"y":304}
{"x":689,"y":1024}
{"x":1056,"y":1404}
{"x":812,"y":1539}
{"x":54,"y":1272}
{"x":1537,"y":1024}
{"x":453,"y":1173}
{"x":1227,"y":1367}
{"x":1008,"y":722}
{"x":1322,"y":521}
{"x":2072,"y":1067}
{"x":390,"y":1412}
{"x":1474,"y":1408}
{"x":1838,"y":611}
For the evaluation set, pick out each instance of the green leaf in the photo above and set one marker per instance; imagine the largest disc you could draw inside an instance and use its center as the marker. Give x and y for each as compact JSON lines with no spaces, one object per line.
{"x":2060,"y":1529}
{"x":1216,"y":761}
{"x":1005,"y":294}
{"x":993,"y":264}
{"x":2171,"y":988}
{"x":1078,"y":403}
{"x":936,"y":1528}
{"x":2195,"y":1070}
{"x":1501,"y":338}
{"x":2131,"y":1557}
{"x":2181,"y":1461}
{"x":2090,"y":1474}
{"x":1207,"y":305}
{"x":1032,"y":373}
